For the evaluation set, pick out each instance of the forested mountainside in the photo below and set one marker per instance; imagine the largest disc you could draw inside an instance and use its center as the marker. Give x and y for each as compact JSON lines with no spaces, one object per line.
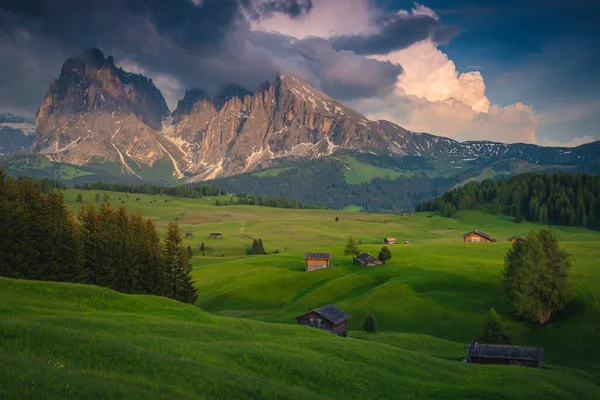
{"x":559,"y":198}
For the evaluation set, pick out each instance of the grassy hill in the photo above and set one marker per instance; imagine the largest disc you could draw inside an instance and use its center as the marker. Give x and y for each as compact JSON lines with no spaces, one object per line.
{"x":429,"y":300}
{"x":73,"y":341}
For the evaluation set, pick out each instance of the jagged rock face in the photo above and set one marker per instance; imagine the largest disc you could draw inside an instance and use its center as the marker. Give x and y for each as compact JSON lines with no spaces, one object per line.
{"x":96,"y":112}
{"x":236,"y":132}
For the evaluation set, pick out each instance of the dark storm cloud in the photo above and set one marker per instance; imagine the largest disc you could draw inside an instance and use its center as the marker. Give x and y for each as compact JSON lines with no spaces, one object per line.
{"x":343,"y":75}
{"x":265,"y":8}
{"x":396,"y":32}
{"x":187,"y":43}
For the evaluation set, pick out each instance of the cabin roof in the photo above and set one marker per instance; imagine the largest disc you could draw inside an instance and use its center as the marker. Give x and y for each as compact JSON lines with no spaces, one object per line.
{"x":390,"y":239}
{"x":482,"y":234}
{"x":331,"y":313}
{"x":215,"y":233}
{"x":318,"y":256}
{"x":363,"y":256}
{"x":516,"y":238}
{"x":504,"y":351}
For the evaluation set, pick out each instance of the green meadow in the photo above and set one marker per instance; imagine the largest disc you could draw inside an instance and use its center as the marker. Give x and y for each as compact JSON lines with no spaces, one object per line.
{"x":241,"y":339}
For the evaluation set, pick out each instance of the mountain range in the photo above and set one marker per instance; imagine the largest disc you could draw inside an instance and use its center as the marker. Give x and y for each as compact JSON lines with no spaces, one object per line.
{"x":96,"y":115}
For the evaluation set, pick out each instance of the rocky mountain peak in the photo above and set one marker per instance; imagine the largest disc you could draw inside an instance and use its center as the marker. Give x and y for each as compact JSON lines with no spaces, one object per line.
{"x":230,"y":92}
{"x":191,"y":97}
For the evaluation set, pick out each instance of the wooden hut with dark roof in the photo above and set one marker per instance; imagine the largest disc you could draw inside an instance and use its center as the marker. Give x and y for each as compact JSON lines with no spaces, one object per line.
{"x":365,"y":259}
{"x":316,"y":261}
{"x":477,"y":236}
{"x":504,"y":354}
{"x":328,"y":318}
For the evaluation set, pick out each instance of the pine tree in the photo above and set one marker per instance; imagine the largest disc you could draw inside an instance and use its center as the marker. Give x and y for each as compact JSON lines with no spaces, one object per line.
{"x":97,"y":197}
{"x":351,"y":247}
{"x":177,"y":260}
{"x":202,"y":247}
{"x":156,"y":273}
{"x":190,"y":251}
{"x":536,"y":276}
{"x":370,"y":324}
{"x":61,"y":255}
{"x":337,"y":219}
{"x":493,"y":330}
{"x":496,"y":207}
{"x":79,"y":198}
{"x":384,"y":255}
{"x":126,"y":267}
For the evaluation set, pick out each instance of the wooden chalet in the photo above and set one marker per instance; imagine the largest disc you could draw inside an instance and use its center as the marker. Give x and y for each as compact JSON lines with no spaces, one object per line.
{"x":328,"y":318}
{"x":365,"y":259}
{"x":390,"y":241}
{"x":189,"y":234}
{"x":477,"y":236}
{"x":516,"y":239}
{"x":504,"y":354}
{"x":215,"y":235}
{"x":407,"y":242}
{"x":316,"y":261}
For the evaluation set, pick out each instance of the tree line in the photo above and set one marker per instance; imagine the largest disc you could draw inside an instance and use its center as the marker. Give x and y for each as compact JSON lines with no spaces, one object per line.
{"x":196,"y":191}
{"x":269,"y":201}
{"x":42,"y":239}
{"x":559,"y":198}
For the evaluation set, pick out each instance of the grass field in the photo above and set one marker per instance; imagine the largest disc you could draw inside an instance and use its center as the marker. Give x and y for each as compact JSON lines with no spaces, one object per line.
{"x":429,"y":300}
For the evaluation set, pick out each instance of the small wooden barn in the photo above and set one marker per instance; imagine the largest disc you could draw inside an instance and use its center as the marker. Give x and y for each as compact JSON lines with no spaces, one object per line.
{"x":215,"y":235}
{"x":189,"y":234}
{"x":407,"y":242}
{"x":365,"y":259}
{"x":328,"y":318}
{"x":477,"y":236}
{"x":316,"y":261}
{"x":390,"y":241}
{"x":516,"y":239}
{"x":504,"y":354}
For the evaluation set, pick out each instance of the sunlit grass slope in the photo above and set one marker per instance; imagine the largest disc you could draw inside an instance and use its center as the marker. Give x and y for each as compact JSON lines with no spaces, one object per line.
{"x":73,"y":341}
{"x":433,"y":294}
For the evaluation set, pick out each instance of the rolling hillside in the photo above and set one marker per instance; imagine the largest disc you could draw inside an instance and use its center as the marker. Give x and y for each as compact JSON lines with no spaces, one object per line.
{"x":73,"y":341}
{"x":60,"y":340}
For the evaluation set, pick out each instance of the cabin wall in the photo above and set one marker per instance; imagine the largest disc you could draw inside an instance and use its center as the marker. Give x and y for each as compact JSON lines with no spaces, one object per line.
{"x":313,"y":264}
{"x":506,"y":361}
{"x":474,"y":238}
{"x":316,"y":321}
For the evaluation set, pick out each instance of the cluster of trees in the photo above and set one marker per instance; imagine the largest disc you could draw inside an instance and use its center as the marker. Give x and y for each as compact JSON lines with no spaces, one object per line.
{"x":43,"y":240}
{"x":196,"y":191}
{"x":257,"y":247}
{"x":560,"y":198}
{"x":535,"y":282}
{"x":321,"y":182}
{"x":271,"y":201}
{"x":536,"y":276}
{"x":352,"y":249}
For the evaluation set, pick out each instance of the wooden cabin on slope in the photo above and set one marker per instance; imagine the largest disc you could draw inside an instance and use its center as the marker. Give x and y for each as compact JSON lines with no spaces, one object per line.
{"x":390,"y":241}
{"x":328,"y":318}
{"x":477,"y":236}
{"x":316,"y":261}
{"x":516,"y":239}
{"x":215,"y":235}
{"x":189,"y":234}
{"x":365,"y":259}
{"x":504,"y":354}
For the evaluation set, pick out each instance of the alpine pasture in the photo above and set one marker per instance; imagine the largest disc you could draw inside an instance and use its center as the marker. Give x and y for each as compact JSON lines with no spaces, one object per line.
{"x":242,"y":340}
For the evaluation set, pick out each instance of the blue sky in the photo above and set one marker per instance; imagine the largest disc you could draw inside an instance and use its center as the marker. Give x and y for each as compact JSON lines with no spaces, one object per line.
{"x":542,"y":53}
